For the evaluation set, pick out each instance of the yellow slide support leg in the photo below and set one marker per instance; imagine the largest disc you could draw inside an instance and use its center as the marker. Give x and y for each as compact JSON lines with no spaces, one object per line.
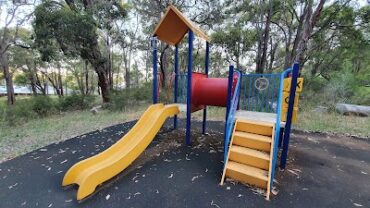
{"x":91,"y":172}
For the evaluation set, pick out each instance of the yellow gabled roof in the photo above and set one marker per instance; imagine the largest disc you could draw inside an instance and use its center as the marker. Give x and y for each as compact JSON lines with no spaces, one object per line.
{"x":174,"y":25}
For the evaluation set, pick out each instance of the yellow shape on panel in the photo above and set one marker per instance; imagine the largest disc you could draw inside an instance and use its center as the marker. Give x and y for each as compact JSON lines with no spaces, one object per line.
{"x":284,"y":111}
{"x":287,"y":82}
{"x":91,"y":172}
{"x":286,"y":100}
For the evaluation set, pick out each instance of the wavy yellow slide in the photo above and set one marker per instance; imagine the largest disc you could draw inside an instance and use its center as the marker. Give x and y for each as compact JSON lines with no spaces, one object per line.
{"x":91,"y":172}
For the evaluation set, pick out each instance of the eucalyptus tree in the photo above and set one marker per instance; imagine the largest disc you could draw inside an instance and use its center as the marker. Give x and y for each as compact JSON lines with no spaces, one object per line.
{"x":15,"y":15}
{"x":72,"y":26}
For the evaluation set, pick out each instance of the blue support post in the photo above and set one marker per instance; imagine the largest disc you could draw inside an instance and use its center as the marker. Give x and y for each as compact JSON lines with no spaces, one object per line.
{"x":229,"y":89}
{"x":206,"y":72}
{"x":155,"y":70}
{"x":281,"y":136}
{"x":288,"y":123}
{"x":176,"y":82}
{"x":188,"y":94}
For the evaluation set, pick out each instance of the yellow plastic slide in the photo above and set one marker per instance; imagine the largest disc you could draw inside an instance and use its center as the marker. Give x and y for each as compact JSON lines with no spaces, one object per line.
{"x":91,"y":172}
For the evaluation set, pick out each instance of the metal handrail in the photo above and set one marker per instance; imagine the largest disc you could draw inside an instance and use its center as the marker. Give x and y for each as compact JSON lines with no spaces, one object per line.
{"x":231,"y":116}
{"x":278,"y":120}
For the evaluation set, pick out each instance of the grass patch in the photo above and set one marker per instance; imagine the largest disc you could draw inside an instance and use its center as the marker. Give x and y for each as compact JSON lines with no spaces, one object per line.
{"x":20,"y":139}
{"x":333,"y":122}
{"x":213,"y":113}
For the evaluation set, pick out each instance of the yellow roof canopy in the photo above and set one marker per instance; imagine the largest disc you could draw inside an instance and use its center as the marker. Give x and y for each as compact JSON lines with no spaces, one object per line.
{"x":174,"y":25}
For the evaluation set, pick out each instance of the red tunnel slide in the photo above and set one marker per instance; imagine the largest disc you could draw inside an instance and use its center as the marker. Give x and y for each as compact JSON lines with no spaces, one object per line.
{"x":209,"y":91}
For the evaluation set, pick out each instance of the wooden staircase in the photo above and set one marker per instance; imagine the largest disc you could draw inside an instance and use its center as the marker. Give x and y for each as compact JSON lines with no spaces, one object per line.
{"x":249,"y":158}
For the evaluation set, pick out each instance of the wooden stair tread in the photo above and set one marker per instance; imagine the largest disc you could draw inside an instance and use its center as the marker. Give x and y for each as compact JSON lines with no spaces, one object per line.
{"x":260,"y":123}
{"x":250,"y":152}
{"x":260,"y":128}
{"x":252,"y":136}
{"x":248,"y":170}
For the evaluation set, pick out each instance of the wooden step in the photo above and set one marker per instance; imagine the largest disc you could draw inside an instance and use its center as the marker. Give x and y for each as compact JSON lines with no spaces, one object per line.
{"x":247,"y":174}
{"x":253,"y":141}
{"x":249,"y":157}
{"x":255,"y":127}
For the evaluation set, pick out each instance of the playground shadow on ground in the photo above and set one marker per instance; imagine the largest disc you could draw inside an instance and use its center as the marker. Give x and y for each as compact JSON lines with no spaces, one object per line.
{"x":322,"y":171}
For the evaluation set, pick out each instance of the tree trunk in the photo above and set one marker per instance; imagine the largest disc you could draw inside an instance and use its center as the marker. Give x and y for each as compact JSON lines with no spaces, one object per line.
{"x":54,"y":82}
{"x":259,"y":55}
{"x":110,"y":66}
{"x":272,"y":55}
{"x":310,"y":21}
{"x":93,"y":54}
{"x":297,"y":39}
{"x":86,"y":78}
{"x":127,"y":70}
{"x":31,"y":78}
{"x":162,"y":64}
{"x":60,"y":82}
{"x":287,"y":58}
{"x":103,"y":84}
{"x":266,"y":37}
{"x":101,"y":67}
{"x":8,"y":79}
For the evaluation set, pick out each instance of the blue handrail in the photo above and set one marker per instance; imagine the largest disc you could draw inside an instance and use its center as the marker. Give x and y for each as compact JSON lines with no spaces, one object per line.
{"x":231,"y":116}
{"x":277,"y":125}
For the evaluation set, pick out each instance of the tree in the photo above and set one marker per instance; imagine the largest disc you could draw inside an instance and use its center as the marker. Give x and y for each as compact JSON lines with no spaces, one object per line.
{"x":21,"y":57}
{"x":310,"y":19}
{"x":8,"y":35}
{"x":236,"y":41}
{"x":73,"y":28}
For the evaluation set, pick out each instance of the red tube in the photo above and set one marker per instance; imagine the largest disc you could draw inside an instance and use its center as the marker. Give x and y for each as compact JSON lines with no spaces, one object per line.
{"x":210,"y":91}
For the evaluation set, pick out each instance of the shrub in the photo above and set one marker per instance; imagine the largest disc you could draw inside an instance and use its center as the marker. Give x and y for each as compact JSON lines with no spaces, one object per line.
{"x":120,"y":99}
{"x":362,"y":96}
{"x":43,"y":105}
{"x":76,"y":102}
{"x":18,"y":113}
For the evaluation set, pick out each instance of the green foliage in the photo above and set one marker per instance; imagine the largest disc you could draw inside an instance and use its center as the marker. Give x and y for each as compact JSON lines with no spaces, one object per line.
{"x":18,"y":113}
{"x":343,"y":87}
{"x":58,"y":26}
{"x":21,"y":79}
{"x":28,"y":108}
{"x":127,"y":97}
{"x":43,"y":105}
{"x":76,"y":102}
{"x":72,"y":29}
{"x":362,"y":96}
{"x":236,"y":40}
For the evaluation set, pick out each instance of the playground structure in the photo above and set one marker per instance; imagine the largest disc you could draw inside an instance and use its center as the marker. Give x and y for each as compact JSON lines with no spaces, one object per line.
{"x":259,"y":111}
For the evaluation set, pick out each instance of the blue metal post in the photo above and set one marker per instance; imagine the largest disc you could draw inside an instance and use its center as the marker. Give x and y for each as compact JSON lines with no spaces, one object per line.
{"x":281,"y":136}
{"x":155,"y":70}
{"x":188,"y":94}
{"x":288,"y":123}
{"x":206,"y":72}
{"x":229,"y":89}
{"x":176,"y":82}
{"x":228,"y":102}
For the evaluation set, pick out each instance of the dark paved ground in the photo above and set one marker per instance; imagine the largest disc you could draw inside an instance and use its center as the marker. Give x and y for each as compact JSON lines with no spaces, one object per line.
{"x":323,"y":171}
